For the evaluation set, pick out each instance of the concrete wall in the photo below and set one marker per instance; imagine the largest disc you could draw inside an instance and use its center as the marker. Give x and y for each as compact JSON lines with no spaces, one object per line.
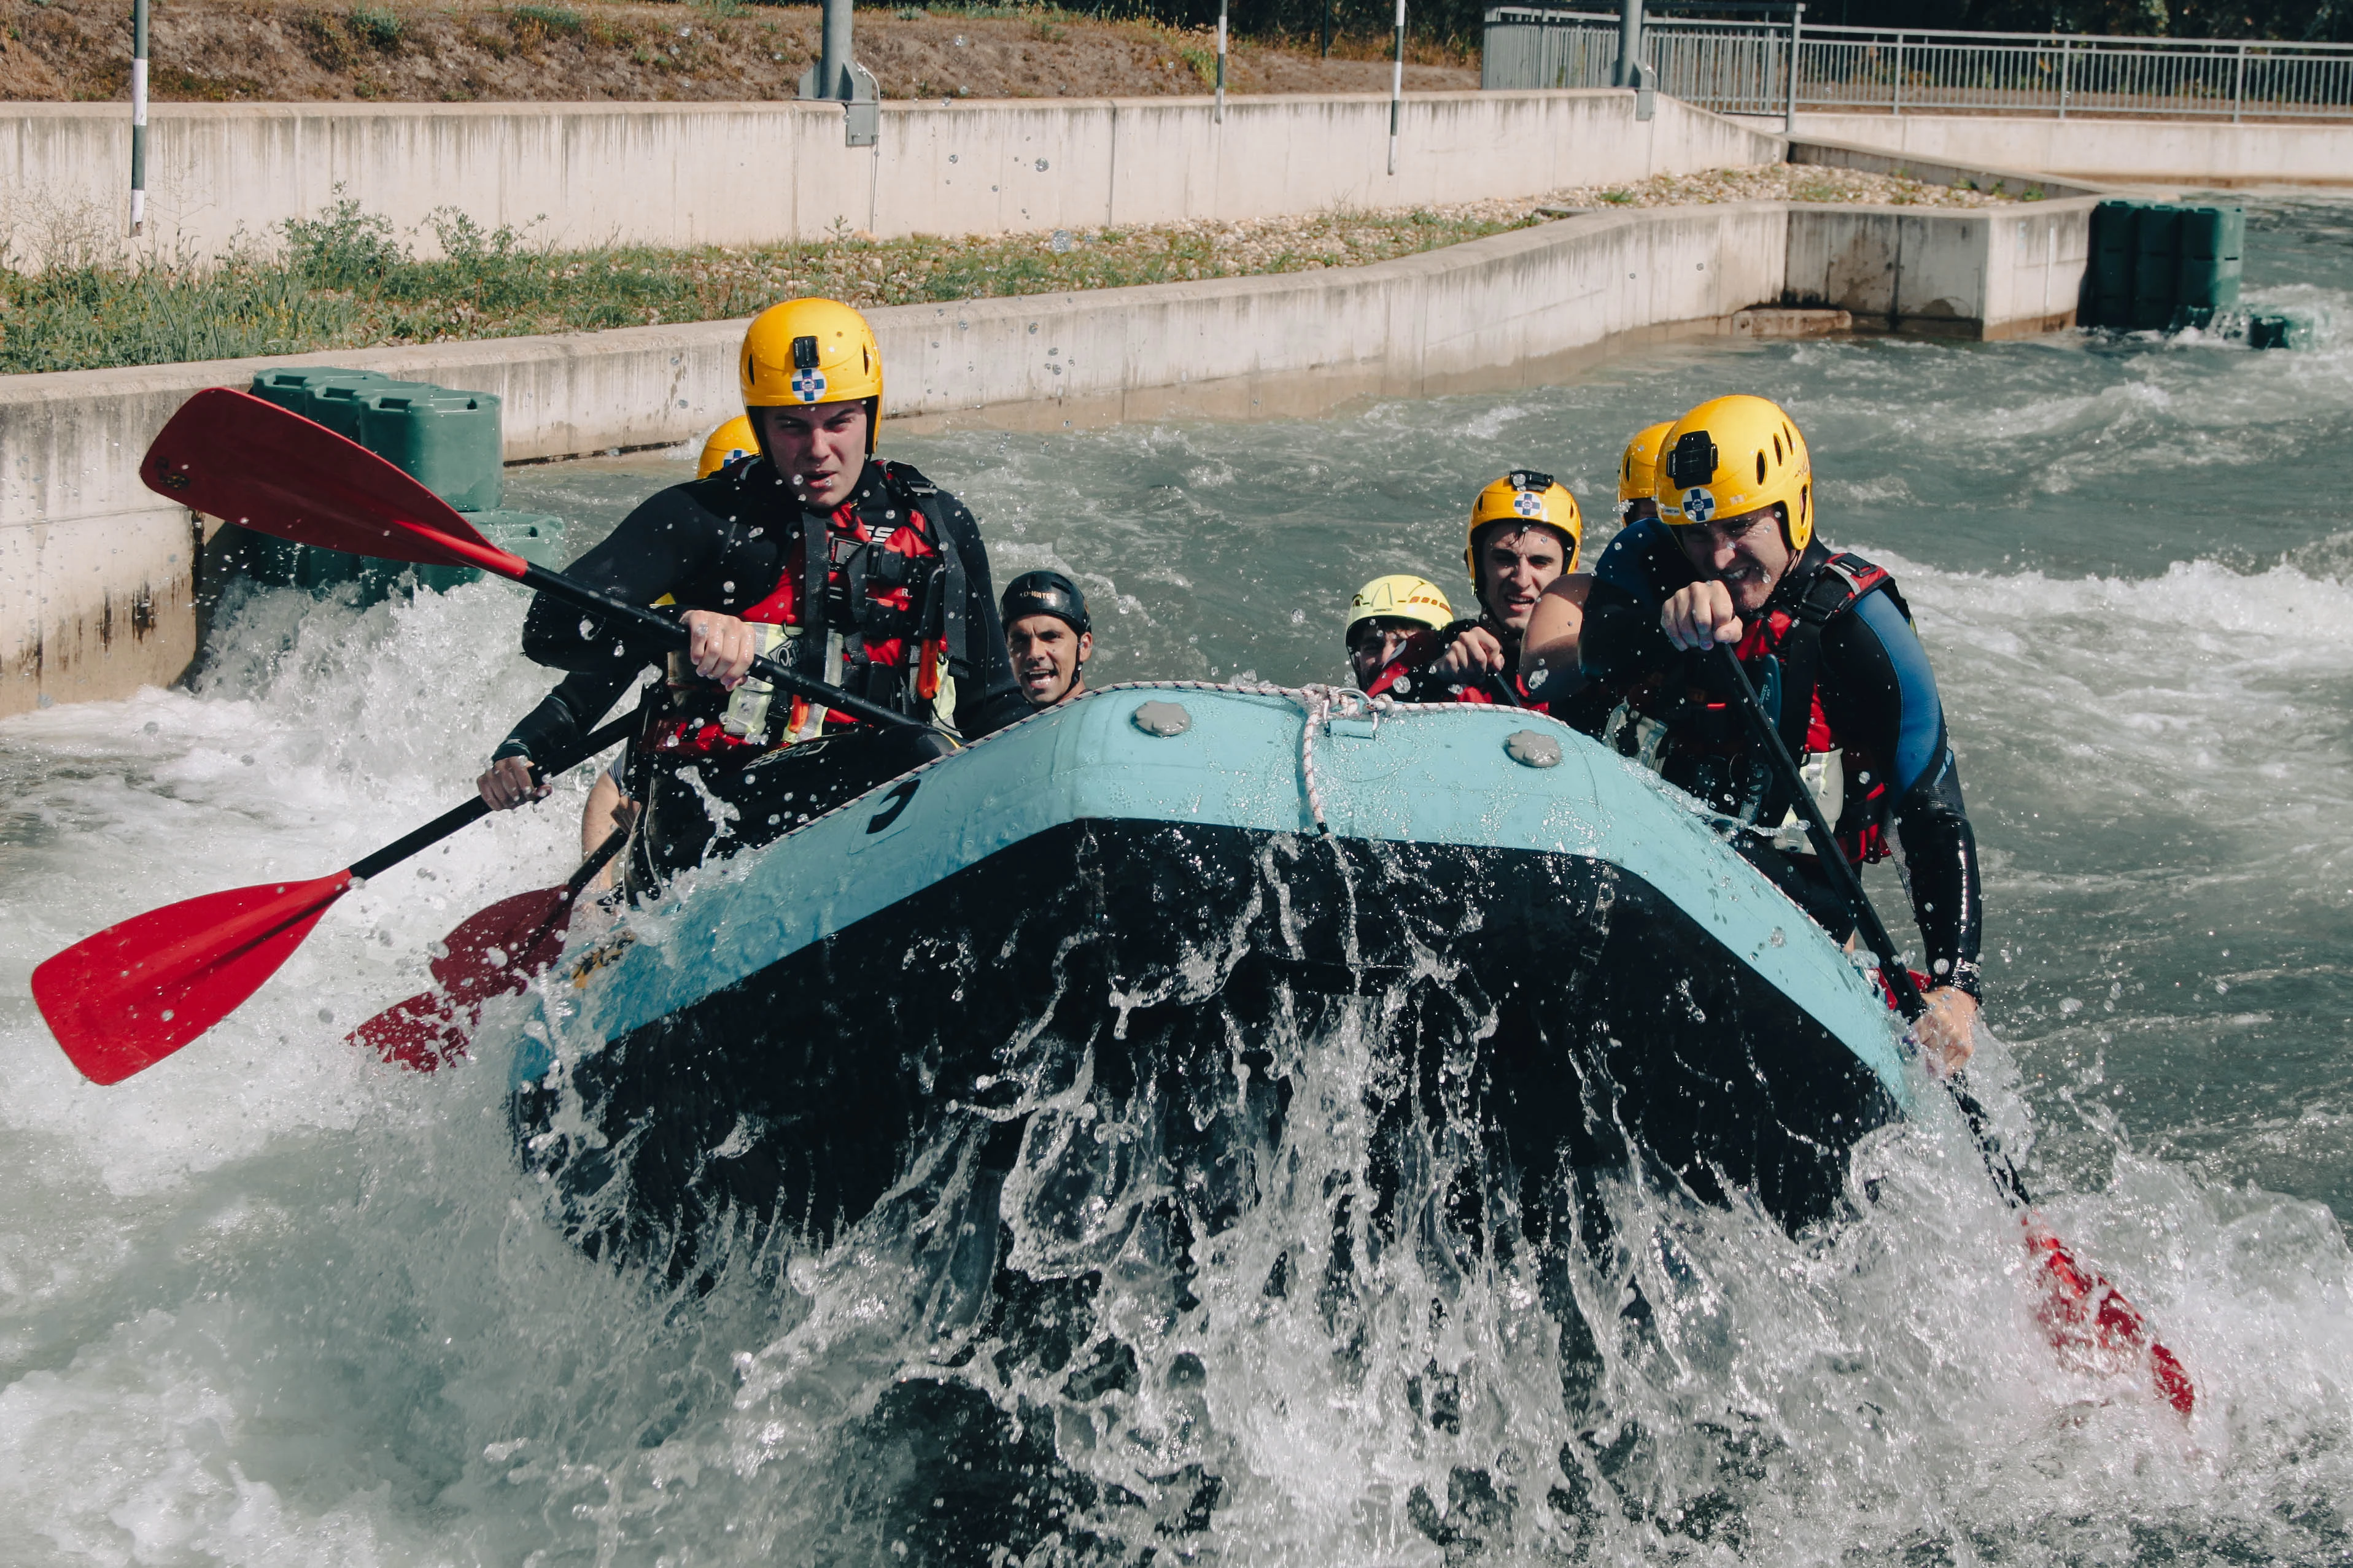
{"x":84,"y":546}
{"x":2145,"y":151}
{"x":2005,"y":272}
{"x":679,"y":174}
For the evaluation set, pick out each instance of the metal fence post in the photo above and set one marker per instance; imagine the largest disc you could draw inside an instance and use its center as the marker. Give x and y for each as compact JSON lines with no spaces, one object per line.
{"x":1397,"y":86}
{"x":1220,"y":115}
{"x":2066,"y":67}
{"x":2239,"y":86}
{"x":1630,"y":43}
{"x":1789,"y":111}
{"x":138,"y":116}
{"x":1899,"y":74}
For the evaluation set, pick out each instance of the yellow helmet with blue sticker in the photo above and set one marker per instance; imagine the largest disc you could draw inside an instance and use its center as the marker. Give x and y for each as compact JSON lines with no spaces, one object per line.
{"x":732,"y":440}
{"x":1525,"y":499}
{"x":805,"y":351}
{"x":1731,"y":456}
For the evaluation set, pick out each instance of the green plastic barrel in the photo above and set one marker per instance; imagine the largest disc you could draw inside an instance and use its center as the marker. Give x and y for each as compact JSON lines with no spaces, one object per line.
{"x":2109,"y":287}
{"x":2279,"y":330}
{"x":449,"y":440}
{"x":293,"y":389}
{"x":336,"y":404}
{"x":2212,"y":239}
{"x":2156,"y":253}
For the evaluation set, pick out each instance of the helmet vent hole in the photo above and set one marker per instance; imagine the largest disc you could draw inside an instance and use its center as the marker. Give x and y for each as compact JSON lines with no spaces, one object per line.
{"x":1760,"y":465}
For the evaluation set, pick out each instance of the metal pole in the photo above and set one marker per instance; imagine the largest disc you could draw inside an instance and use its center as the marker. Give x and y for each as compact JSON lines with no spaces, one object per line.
{"x":1789,"y":113}
{"x":1221,"y":114}
{"x":1397,"y":86}
{"x":138,"y":115}
{"x":2066,"y":73}
{"x":833,"y":79}
{"x":1630,"y":43}
{"x":2239,"y":87}
{"x":1899,"y":73}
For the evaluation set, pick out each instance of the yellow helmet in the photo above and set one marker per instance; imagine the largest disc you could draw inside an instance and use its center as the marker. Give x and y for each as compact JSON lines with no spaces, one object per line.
{"x":1638,"y":468}
{"x":812,"y":350}
{"x":1735,"y":454}
{"x":1524,"y":497}
{"x":1400,"y":597}
{"x":729,"y":441}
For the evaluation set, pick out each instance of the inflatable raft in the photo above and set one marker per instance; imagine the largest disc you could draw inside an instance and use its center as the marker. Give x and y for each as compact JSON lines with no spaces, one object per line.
{"x":1099,"y":946}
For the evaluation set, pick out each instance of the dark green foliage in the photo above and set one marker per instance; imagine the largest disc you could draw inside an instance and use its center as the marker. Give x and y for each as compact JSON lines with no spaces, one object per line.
{"x":377,"y":27}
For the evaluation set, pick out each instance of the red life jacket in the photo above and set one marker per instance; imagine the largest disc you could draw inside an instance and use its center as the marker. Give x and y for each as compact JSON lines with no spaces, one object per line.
{"x":874,"y":583}
{"x":1698,"y":740}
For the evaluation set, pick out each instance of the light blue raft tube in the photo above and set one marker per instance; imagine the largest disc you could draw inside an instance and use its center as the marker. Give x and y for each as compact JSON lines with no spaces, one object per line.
{"x":1133,"y":899}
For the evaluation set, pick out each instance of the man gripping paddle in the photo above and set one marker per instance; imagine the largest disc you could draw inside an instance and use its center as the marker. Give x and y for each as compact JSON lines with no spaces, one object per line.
{"x":857,"y":572}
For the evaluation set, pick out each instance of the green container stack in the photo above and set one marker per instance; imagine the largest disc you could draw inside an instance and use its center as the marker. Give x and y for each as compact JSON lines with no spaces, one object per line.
{"x":2108,"y":287}
{"x":448,"y":440}
{"x":2212,"y":241}
{"x":2156,"y":253}
{"x":2164,"y":267}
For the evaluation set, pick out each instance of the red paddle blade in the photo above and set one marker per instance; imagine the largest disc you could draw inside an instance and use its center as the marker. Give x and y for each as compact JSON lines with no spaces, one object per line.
{"x":124,"y":1000}
{"x":2092,"y":1325}
{"x":492,"y":952}
{"x":496,"y":950}
{"x":422,"y":1034}
{"x":230,"y":455}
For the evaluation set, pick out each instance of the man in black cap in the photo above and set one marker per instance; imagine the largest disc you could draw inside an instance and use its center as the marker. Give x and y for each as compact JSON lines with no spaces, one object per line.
{"x":1048,"y":636}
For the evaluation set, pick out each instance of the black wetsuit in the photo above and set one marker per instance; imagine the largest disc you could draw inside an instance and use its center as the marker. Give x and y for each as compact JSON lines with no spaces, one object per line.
{"x":724,"y":543}
{"x":1878,"y":698}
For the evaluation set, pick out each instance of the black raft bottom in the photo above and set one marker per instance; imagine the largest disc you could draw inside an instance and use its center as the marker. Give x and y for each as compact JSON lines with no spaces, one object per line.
{"x":1546,"y":1017}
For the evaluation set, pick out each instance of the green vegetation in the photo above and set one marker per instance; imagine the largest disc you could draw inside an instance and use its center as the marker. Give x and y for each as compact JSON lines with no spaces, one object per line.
{"x":347,"y":281}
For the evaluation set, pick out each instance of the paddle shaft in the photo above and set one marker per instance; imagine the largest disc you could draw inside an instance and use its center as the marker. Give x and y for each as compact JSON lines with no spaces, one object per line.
{"x":1892,"y":969}
{"x":672,"y":632}
{"x":449,"y":821}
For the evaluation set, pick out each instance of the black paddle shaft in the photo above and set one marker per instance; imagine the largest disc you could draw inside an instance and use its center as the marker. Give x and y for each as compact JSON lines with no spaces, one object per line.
{"x":455,"y":817}
{"x":1866,"y":918}
{"x":674,"y":634}
{"x":1818,"y":829}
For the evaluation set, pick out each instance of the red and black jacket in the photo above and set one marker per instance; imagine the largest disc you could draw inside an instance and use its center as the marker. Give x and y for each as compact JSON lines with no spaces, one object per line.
{"x":898,"y":570}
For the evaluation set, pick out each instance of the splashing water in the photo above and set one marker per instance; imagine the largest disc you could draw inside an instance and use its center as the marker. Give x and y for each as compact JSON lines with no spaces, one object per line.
{"x":273,"y":1303}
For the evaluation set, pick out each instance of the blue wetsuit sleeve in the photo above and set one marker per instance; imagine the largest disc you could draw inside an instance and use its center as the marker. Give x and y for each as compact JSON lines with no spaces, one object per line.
{"x":1881,"y":699}
{"x":1621,"y":638}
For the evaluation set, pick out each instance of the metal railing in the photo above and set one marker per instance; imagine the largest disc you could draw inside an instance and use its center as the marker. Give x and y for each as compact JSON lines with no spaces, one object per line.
{"x":1743,"y":68}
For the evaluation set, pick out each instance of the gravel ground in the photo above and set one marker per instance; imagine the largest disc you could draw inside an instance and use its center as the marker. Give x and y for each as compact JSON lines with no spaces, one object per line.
{"x":1776,"y":181}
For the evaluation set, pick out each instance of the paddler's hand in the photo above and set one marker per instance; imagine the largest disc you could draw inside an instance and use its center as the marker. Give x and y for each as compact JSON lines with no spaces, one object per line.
{"x":1477,"y":651}
{"x":510,"y":784}
{"x":1700,"y":617}
{"x":1948,"y":1030}
{"x":721,"y":647}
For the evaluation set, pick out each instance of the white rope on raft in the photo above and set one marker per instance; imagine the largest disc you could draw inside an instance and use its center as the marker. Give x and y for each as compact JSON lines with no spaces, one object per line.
{"x":1323,"y":704}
